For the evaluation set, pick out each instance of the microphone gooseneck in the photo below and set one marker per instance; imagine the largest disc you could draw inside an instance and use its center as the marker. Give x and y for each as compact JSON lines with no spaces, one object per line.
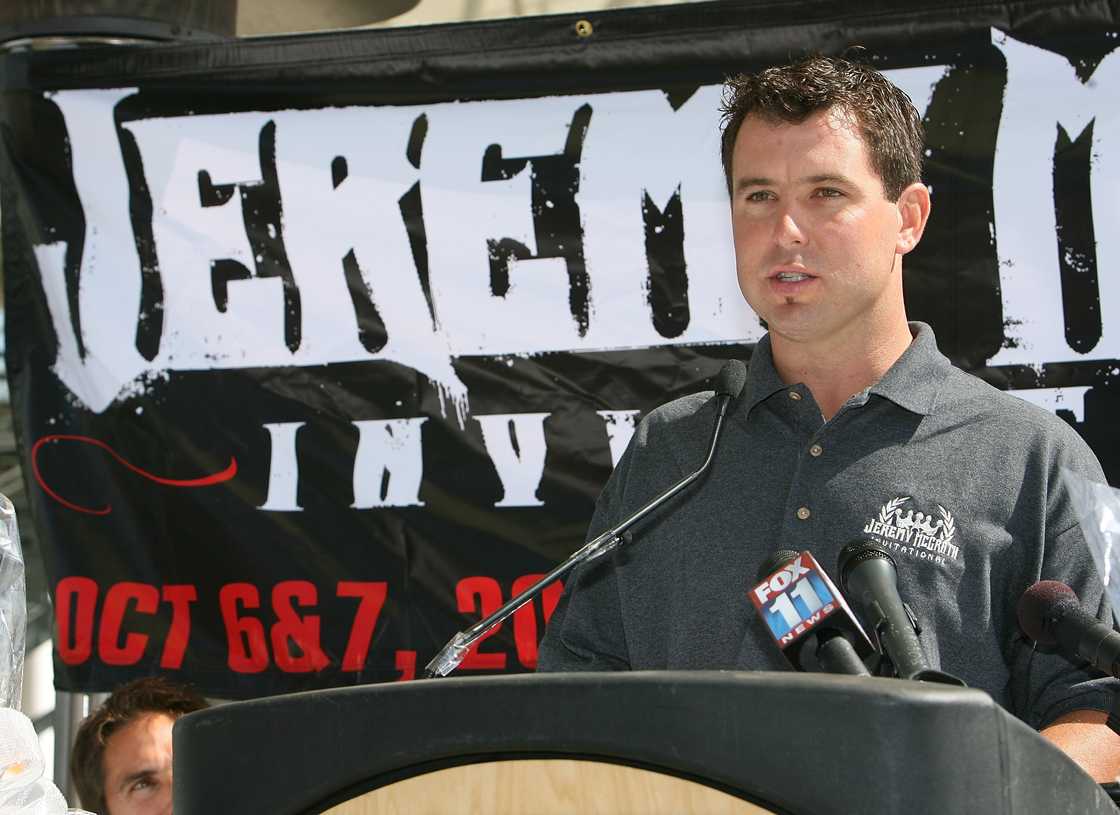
{"x":729,"y":384}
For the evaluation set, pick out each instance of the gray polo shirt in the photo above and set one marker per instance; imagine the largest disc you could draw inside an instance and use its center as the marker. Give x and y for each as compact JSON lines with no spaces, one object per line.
{"x":960,"y":480}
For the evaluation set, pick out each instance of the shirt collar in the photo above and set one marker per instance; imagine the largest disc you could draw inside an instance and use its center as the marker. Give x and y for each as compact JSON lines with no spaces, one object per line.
{"x":912,"y":383}
{"x":762,"y":378}
{"x":914,"y":380}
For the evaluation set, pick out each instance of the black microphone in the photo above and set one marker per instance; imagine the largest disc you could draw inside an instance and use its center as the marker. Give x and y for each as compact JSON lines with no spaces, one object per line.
{"x":870,"y":580}
{"x":730,"y":380}
{"x":807,"y":616}
{"x":1050,"y":614}
{"x":775,"y":562}
{"x":729,"y":384}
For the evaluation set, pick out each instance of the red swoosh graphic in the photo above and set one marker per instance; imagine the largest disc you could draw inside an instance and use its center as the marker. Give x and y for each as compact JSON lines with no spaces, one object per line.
{"x":206,"y":481}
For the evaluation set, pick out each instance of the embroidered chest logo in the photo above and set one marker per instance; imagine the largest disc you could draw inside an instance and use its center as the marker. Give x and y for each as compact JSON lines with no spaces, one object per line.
{"x":919,"y":533}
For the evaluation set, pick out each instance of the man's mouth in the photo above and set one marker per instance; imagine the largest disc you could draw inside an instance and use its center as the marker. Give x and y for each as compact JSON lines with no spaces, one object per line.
{"x":792,"y":277}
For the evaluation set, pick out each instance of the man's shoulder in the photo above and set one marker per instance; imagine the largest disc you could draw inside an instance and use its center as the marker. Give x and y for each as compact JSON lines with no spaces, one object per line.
{"x":682,"y":410}
{"x":681,"y":423}
{"x":965,"y":395}
{"x":663,"y":448}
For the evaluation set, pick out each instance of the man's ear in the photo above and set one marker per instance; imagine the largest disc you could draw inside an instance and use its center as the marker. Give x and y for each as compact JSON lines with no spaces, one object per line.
{"x":913,"y":207}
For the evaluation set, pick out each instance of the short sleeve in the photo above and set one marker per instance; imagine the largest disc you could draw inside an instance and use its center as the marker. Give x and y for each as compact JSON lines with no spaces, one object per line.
{"x":1046,"y":684}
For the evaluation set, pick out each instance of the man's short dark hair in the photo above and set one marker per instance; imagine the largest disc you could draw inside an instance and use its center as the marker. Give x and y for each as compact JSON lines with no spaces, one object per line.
{"x":152,"y":694}
{"x":884,"y":115}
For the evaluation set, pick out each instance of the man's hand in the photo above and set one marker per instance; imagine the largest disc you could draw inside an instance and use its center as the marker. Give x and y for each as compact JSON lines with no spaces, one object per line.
{"x":1084,"y":737}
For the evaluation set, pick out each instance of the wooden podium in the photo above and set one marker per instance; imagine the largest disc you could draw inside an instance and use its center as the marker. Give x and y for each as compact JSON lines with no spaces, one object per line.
{"x":650,"y":742}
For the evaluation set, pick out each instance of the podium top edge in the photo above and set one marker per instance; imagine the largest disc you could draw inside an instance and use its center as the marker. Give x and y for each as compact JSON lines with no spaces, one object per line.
{"x":881,"y":688}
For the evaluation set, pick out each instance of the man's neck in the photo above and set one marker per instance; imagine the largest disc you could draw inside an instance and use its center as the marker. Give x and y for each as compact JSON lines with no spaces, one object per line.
{"x":843,"y":367}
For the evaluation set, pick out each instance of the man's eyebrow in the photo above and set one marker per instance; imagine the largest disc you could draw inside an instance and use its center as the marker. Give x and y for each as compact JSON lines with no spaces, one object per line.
{"x":820,"y":178}
{"x":756,"y":181}
{"x":826,"y":177}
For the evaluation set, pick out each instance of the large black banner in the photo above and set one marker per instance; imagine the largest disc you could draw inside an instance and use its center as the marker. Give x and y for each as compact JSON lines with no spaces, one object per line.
{"x":322,"y":346}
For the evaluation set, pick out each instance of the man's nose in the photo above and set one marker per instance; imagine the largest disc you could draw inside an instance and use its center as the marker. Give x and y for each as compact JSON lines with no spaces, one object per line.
{"x":788,"y":231}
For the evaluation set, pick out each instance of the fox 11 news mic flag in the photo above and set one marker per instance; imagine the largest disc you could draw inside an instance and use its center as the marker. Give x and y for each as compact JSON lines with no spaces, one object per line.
{"x":728,"y":386}
{"x":808,"y":617}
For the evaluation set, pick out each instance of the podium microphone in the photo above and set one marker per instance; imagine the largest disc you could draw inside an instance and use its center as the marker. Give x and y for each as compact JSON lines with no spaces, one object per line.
{"x":729,"y":384}
{"x":870,"y":580}
{"x":807,"y":616}
{"x":1050,"y":614}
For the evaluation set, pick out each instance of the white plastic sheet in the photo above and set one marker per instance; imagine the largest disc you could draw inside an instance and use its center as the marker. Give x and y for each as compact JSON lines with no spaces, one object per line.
{"x":13,"y":608}
{"x":23,"y":789}
{"x":1098,"y":511}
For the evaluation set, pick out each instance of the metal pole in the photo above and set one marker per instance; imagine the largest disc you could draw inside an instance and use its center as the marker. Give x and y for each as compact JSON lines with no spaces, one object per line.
{"x":63,"y":735}
{"x":69,"y":710}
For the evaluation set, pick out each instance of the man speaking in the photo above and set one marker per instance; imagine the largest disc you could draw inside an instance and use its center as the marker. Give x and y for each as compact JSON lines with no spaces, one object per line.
{"x":851,"y":425}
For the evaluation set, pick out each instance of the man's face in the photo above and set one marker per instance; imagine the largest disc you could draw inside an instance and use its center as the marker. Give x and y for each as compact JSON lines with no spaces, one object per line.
{"x":137,"y":765}
{"x":816,"y":241}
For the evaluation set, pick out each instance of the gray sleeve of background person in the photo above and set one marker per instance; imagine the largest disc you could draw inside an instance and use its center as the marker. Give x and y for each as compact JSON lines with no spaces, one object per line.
{"x":585,"y":631}
{"x":1048,"y":684}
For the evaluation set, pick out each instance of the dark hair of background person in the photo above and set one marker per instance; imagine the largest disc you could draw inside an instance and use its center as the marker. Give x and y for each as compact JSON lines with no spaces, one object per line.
{"x":151,"y":694}
{"x":884,"y":115}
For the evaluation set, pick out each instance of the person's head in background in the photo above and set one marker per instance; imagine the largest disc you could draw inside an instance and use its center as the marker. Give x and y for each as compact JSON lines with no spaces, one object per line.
{"x":121,"y":761}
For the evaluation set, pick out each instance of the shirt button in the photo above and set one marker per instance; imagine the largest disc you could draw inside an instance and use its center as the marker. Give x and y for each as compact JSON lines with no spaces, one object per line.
{"x":795,"y":396}
{"x":815,"y":450}
{"x":803,"y":513}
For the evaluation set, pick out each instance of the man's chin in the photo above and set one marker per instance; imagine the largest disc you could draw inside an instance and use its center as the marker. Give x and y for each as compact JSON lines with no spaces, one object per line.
{"x":801,"y":327}
{"x":793,"y":314}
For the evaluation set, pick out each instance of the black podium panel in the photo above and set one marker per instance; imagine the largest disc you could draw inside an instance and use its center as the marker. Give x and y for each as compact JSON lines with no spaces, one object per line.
{"x":798,"y":743}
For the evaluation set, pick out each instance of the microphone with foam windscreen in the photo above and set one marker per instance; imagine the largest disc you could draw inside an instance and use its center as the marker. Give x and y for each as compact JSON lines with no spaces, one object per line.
{"x":729,"y":384}
{"x":870,"y":580}
{"x":1051,"y":615}
{"x":730,"y":381}
{"x":808,"y":617}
